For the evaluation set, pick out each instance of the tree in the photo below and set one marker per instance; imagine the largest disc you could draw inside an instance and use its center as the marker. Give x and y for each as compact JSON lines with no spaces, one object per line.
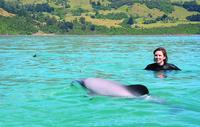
{"x":92,"y":27}
{"x":51,"y":21}
{"x":83,"y":27}
{"x":130,"y":21}
{"x":82,"y":20}
{"x":66,"y":26}
{"x":98,"y":3}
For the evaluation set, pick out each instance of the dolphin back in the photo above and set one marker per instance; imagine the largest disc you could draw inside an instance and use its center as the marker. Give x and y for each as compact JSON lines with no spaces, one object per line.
{"x":138,"y":89}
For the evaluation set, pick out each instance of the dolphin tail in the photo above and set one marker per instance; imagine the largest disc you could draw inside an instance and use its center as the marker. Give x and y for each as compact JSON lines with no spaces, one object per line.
{"x":79,"y":81}
{"x":155,"y":99}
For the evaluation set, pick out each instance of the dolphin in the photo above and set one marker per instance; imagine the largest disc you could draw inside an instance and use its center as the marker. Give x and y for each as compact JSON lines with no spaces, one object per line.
{"x":99,"y":86}
{"x":105,"y":87}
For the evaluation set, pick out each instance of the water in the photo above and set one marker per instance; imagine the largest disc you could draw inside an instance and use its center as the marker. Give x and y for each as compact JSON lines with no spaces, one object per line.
{"x":36,"y":91}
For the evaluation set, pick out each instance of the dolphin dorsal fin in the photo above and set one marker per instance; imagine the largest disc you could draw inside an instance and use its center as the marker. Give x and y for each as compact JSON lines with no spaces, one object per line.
{"x":138,"y":89}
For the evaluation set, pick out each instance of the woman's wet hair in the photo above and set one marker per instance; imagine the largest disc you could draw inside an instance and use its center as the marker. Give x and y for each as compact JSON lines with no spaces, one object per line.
{"x":163,"y":50}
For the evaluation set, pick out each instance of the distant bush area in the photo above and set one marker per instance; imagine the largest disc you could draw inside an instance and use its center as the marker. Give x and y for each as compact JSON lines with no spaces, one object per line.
{"x":191,"y":6}
{"x":39,"y":8}
{"x":194,"y":17}
{"x":24,"y":9}
{"x":118,"y":3}
{"x":113,"y":16}
{"x":98,"y":6}
{"x":180,"y":29}
{"x":78,"y":12}
{"x":163,"y":5}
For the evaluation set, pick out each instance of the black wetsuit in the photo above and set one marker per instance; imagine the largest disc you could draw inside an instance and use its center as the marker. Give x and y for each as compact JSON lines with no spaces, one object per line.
{"x":156,"y":67}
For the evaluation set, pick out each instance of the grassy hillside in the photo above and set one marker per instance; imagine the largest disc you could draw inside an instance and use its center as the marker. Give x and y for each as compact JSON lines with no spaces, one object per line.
{"x":181,"y":13}
{"x":99,"y":16}
{"x":5,"y":13}
{"x":28,"y":1}
{"x":84,"y":4}
{"x":142,"y":10}
{"x":184,"y":1}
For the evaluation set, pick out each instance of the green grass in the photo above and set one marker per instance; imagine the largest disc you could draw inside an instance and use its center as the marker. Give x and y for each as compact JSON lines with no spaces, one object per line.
{"x":162,"y":25}
{"x":85,"y":4}
{"x":33,"y":1}
{"x":181,"y":13}
{"x":16,"y":25}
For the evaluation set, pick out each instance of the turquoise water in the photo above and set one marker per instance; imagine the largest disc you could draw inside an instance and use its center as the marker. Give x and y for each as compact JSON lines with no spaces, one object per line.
{"x":36,"y":91}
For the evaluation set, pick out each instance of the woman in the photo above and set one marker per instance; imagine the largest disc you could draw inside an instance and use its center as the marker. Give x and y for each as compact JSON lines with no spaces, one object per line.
{"x":160,"y":59}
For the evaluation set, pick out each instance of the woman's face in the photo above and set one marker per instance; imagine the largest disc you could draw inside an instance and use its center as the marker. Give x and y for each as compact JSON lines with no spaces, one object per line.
{"x":159,"y":57}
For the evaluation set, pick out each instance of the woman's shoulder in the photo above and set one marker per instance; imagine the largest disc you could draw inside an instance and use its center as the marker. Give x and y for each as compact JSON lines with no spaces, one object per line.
{"x":156,"y":67}
{"x":150,"y":66}
{"x":171,"y":66}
